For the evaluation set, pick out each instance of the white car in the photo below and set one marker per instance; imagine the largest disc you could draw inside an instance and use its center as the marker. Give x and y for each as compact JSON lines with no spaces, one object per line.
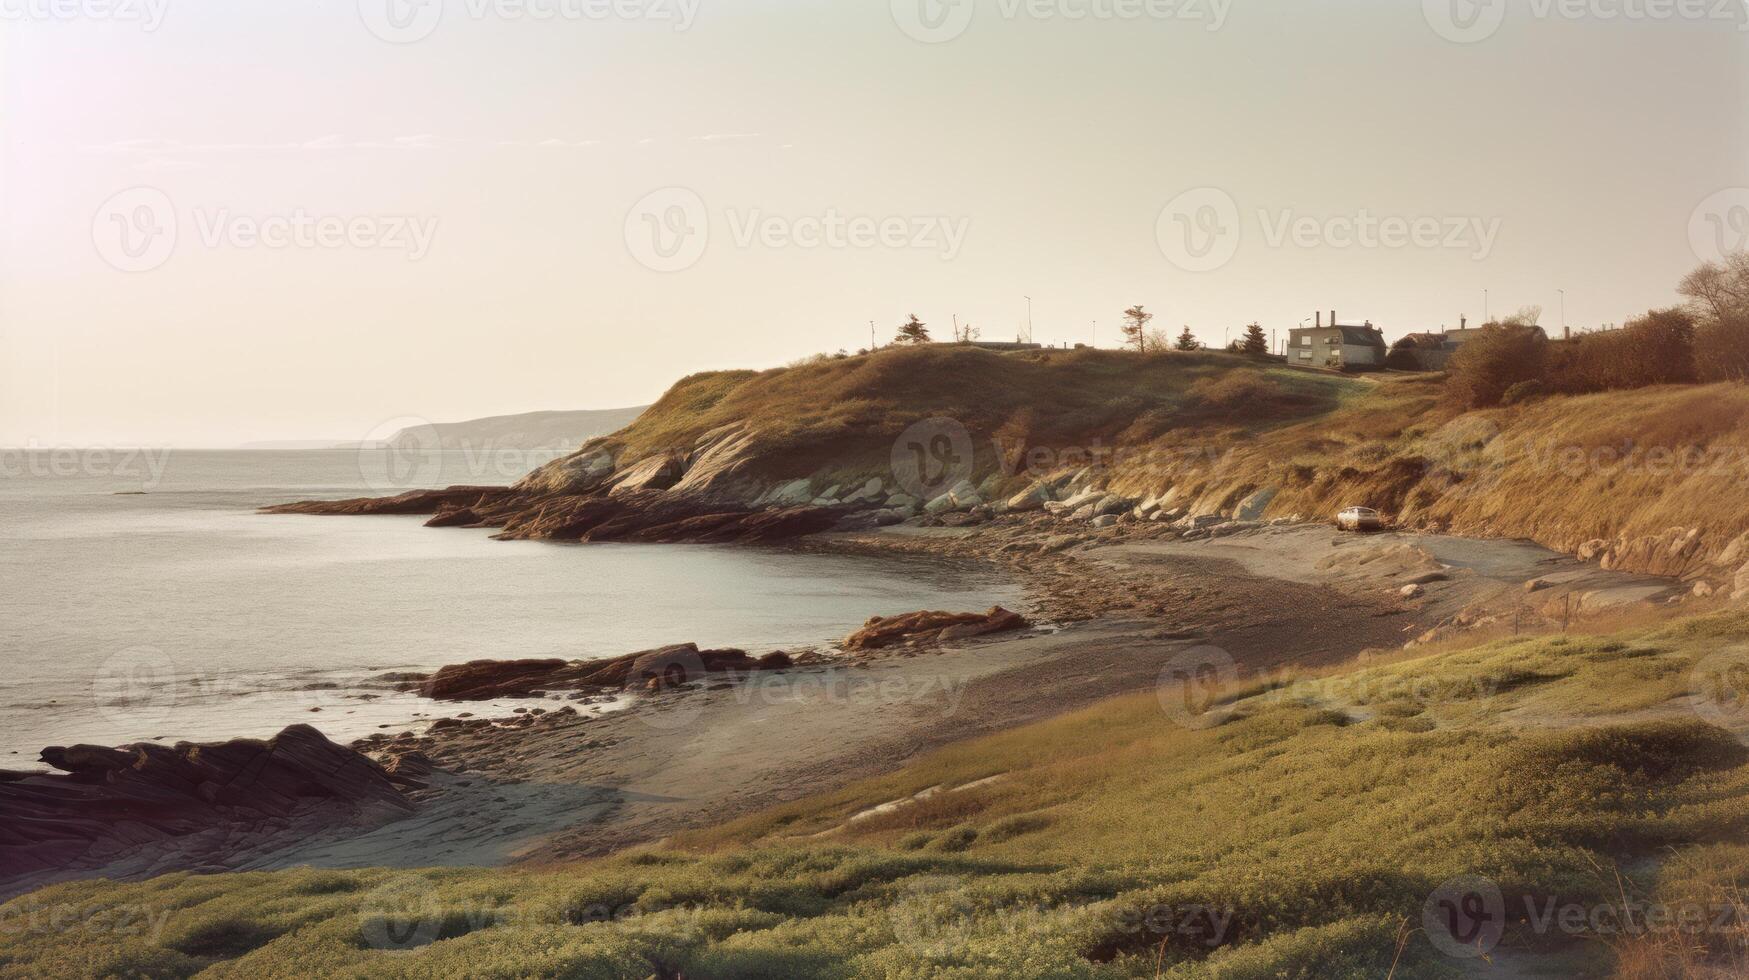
{"x":1360,"y":519}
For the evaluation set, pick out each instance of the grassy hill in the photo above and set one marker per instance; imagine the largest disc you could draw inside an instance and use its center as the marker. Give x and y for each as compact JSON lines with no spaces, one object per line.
{"x":1210,"y":429}
{"x":1297,"y":828}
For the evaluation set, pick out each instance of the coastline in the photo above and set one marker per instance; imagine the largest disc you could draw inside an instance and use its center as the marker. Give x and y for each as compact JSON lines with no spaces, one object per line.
{"x":1117,"y":605}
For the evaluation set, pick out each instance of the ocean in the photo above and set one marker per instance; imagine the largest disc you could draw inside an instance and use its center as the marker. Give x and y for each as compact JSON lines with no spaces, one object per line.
{"x":143,"y":597}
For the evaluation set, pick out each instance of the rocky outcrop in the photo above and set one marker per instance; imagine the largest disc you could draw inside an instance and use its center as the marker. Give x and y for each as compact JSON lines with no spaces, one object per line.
{"x":484,"y":680}
{"x":183,"y":807}
{"x":931,"y":627}
{"x":651,"y":516}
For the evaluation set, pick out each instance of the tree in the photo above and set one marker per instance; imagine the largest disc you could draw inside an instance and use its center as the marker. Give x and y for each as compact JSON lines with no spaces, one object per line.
{"x":1256,"y":344}
{"x":1719,"y":290}
{"x":1187,"y":341}
{"x":1719,"y":295}
{"x":1135,"y":326}
{"x":966,"y":334}
{"x":913,"y":331}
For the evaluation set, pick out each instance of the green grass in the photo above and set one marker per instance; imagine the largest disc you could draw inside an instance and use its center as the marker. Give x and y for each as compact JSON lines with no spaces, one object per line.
{"x":1299,"y":837}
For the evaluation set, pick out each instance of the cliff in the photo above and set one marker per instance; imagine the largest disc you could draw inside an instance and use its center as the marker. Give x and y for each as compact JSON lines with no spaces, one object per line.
{"x":1646,"y":480}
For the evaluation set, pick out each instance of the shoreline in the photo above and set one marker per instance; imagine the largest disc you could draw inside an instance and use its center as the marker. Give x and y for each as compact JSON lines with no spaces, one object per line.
{"x":1116,"y":605}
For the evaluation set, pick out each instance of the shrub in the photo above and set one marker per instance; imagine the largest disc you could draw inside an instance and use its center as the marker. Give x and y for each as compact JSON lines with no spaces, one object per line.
{"x":1721,"y":350}
{"x":1655,"y":349}
{"x":1502,"y":356}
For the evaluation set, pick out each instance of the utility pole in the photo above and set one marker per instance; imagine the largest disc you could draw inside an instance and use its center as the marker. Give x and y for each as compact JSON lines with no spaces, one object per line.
{"x":956,"y":328}
{"x":1563,"y":293}
{"x":1029,"y":319}
{"x":1096,"y":333}
{"x":871,"y":337}
{"x":1485,"y":314}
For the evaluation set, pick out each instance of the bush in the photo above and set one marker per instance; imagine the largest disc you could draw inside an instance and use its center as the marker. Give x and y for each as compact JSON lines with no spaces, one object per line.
{"x":1655,"y":349}
{"x":1721,"y":350}
{"x":1503,"y":355}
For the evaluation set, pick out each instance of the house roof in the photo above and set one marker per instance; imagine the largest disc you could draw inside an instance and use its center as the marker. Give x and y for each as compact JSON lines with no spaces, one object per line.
{"x":1364,"y":336}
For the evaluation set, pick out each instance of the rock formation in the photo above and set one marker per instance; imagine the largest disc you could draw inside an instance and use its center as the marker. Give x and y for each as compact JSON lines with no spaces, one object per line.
{"x":152,"y":808}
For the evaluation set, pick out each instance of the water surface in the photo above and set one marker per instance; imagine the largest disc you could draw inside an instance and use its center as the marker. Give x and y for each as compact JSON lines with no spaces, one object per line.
{"x":180,"y":613}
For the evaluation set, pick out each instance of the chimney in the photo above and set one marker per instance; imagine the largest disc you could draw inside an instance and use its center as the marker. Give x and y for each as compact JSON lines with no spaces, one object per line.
{"x":1463,"y":323}
{"x":1332,"y":318}
{"x":1320,"y":319}
{"x":1566,"y":333}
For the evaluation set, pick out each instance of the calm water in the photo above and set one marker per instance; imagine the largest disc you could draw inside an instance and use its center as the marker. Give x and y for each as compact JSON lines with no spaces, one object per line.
{"x":180,"y":613}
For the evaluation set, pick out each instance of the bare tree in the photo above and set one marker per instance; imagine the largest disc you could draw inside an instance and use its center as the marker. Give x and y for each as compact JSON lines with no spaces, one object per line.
{"x":1135,"y":326}
{"x":966,"y":334}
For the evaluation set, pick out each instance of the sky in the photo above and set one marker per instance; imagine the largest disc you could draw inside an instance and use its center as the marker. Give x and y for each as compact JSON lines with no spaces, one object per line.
{"x":228,"y":222}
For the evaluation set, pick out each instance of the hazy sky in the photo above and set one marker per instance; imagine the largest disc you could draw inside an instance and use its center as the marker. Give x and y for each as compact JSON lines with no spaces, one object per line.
{"x":232,"y":221}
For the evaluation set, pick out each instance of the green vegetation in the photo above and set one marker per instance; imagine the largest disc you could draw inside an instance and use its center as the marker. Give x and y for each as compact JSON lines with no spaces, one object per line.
{"x":1297,"y":830}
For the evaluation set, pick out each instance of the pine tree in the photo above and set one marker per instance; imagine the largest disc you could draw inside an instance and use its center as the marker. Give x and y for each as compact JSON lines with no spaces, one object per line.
{"x":1187,"y":341}
{"x":1135,"y":326}
{"x":1256,"y":344}
{"x":913,"y":331}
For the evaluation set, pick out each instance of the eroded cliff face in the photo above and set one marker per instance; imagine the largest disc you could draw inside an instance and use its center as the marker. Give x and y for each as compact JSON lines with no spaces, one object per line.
{"x":1647,"y":481}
